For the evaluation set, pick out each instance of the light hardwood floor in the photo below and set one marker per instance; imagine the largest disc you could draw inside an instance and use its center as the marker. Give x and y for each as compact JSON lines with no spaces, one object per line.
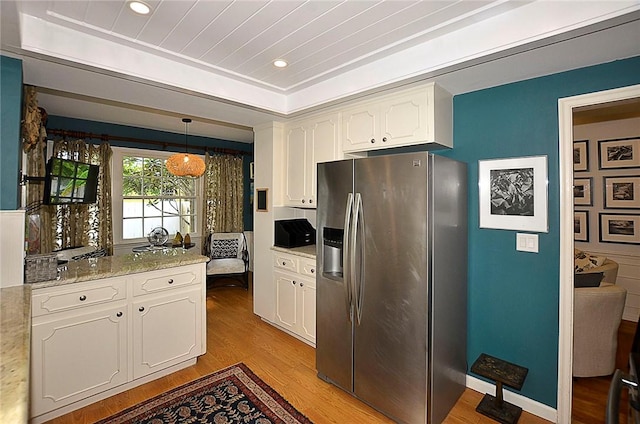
{"x":235,"y":334}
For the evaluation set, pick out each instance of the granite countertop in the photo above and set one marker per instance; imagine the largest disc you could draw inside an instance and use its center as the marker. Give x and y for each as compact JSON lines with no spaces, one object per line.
{"x":114,"y":266}
{"x":15,"y":338}
{"x":304,"y":251}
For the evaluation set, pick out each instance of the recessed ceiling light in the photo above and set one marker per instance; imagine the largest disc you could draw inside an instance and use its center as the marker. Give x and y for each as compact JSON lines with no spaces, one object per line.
{"x":139,"y":7}
{"x":280,"y":63}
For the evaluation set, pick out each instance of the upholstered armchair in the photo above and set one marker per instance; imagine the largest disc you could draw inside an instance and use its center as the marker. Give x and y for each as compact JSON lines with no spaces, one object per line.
{"x":228,"y":259}
{"x":597,"y":313}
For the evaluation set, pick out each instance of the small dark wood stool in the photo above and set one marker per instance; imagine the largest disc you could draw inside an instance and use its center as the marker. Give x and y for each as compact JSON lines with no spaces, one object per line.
{"x":502,"y":372}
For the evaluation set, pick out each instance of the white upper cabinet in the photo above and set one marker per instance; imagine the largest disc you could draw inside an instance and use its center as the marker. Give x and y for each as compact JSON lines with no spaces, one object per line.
{"x":307,"y":143}
{"x":418,"y":115}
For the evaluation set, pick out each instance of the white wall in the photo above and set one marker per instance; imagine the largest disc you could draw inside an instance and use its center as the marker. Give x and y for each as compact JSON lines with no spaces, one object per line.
{"x":627,"y":255}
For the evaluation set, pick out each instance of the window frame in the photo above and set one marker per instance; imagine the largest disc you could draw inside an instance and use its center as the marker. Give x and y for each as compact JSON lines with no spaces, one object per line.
{"x":116,"y":192}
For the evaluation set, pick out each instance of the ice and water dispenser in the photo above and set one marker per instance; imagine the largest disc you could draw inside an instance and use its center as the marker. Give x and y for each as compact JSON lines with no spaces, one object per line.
{"x":332,"y":252}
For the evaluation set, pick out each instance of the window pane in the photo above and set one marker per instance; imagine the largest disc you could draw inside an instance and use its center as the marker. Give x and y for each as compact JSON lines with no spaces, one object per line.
{"x":132,"y":208}
{"x":131,"y":186}
{"x":132,"y":228}
{"x":131,"y":166}
{"x":153,"y":167}
{"x":172,"y":224}
{"x":152,"y":186}
{"x":152,"y":207}
{"x":151,"y":223}
{"x":187,"y":224}
{"x":171,"y":206}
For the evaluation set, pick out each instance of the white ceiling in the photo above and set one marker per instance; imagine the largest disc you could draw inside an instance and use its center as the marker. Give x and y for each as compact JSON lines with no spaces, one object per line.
{"x":212,"y":60}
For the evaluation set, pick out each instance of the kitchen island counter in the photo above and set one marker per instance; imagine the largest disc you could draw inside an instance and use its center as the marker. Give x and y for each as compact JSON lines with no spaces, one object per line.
{"x":114,"y":266}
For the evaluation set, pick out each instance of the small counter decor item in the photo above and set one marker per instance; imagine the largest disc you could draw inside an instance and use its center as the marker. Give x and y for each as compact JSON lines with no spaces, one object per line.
{"x":42,"y":267}
{"x":503,"y":373}
{"x":513,"y":193}
{"x":158,"y":236}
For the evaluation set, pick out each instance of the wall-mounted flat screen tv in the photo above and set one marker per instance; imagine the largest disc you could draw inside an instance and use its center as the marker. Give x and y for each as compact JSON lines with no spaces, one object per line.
{"x":69,"y":181}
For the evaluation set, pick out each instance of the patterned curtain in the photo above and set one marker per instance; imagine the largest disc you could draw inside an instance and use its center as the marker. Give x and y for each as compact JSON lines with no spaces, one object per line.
{"x":82,"y":225}
{"x":223,"y":194}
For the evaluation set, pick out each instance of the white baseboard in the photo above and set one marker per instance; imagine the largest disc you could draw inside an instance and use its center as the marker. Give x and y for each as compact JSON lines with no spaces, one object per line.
{"x":536,"y":408}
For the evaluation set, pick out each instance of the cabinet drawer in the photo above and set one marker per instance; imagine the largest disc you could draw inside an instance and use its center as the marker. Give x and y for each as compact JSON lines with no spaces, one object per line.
{"x":166,"y":279}
{"x":308,"y":267}
{"x":58,"y":299}
{"x":285,"y":262}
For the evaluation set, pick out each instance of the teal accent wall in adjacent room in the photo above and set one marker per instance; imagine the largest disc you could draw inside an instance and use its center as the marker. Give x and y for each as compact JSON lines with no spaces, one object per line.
{"x":72,"y":124}
{"x":513,"y":296}
{"x":11,"y":113}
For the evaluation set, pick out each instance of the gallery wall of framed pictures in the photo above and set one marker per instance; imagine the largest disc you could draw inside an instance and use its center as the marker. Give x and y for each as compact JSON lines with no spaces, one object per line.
{"x":607,"y":184}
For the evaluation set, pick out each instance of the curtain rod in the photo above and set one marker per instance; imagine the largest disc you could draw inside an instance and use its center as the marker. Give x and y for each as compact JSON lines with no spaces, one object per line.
{"x":107,"y":137}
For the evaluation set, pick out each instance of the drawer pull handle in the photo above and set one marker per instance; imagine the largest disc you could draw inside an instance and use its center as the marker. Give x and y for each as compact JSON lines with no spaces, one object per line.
{"x":301,"y":285}
{"x":373,"y":140}
{"x":313,"y":270}
{"x":284,"y":263}
{"x":171,"y":281}
{"x":83,"y":298}
{"x":119,"y":314}
{"x":141,"y":309}
{"x":293,"y":282}
{"x":384,"y":139}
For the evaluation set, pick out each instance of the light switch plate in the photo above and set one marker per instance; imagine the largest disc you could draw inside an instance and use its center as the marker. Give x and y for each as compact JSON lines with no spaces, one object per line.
{"x":527,"y":242}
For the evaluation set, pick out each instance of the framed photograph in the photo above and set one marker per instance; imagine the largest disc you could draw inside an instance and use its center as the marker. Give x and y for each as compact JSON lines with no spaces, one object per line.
{"x":581,"y":155}
{"x":619,"y":153}
{"x":513,"y":194}
{"x":620,"y":228}
{"x":581,"y":225}
{"x":622,"y":192}
{"x":582,"y":191}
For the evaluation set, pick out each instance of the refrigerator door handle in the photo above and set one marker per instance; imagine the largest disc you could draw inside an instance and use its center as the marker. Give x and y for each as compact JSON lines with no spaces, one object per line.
{"x":346,"y":276}
{"x":358,"y":283}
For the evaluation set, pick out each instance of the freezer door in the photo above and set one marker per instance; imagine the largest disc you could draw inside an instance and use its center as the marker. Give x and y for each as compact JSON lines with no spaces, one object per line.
{"x":334,"y":331}
{"x":390,"y":362}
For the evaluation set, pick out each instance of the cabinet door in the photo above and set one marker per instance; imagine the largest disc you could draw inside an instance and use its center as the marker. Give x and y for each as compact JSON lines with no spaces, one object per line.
{"x":404,"y":119}
{"x":307,"y":299}
{"x":360,"y":128}
{"x":323,"y":145}
{"x":295,"y":172}
{"x":286,"y":304}
{"x":77,"y":356}
{"x":166,"y":330}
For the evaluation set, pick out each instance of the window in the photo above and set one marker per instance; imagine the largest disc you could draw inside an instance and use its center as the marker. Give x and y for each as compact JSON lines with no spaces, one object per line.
{"x":146,"y":195}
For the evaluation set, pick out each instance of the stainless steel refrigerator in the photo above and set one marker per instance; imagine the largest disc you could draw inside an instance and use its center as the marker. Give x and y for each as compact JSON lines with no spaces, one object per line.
{"x":392,"y":287}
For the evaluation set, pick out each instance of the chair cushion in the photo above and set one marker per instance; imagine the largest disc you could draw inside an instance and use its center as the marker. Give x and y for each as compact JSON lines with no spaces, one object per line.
{"x":225,"y":266}
{"x":224,"y":248}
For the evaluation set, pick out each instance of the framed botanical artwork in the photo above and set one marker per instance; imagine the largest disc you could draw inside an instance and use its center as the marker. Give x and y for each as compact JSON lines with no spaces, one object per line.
{"x":581,"y":225}
{"x":622,"y":192}
{"x":619,"y":153}
{"x":582,"y":191}
{"x":513,"y":193}
{"x":620,"y":228}
{"x":581,"y":155}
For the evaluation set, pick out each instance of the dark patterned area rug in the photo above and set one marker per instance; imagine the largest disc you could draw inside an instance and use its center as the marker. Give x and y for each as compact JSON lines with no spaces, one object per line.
{"x":232,"y":395}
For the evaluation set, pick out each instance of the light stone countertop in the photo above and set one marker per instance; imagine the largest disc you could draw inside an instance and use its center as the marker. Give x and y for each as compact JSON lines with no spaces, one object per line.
{"x":304,"y":251}
{"x":114,"y":266}
{"x":15,"y":338}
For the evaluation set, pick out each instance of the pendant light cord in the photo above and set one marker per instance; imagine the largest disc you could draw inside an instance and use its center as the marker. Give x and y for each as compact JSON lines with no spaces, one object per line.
{"x":186,"y":142}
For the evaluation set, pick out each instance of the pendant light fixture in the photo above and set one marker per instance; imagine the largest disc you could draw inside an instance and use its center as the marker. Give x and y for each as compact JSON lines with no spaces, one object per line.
{"x":185,"y":164}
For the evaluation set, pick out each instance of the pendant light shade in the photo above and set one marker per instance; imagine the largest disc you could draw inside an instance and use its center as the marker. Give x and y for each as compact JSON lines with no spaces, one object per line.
{"x":185,"y":164}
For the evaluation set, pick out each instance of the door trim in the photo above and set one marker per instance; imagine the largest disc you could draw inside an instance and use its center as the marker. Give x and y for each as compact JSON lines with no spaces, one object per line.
{"x":565,"y":336}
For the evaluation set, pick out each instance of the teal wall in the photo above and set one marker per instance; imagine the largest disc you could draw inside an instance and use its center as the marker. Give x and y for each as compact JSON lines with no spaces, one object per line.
{"x":71,"y":124}
{"x":513,"y":296}
{"x":11,"y":113}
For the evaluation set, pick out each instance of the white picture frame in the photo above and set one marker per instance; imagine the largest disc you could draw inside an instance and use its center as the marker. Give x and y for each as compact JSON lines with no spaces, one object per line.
{"x":619,"y":228}
{"x":622,"y":192}
{"x":513,"y":194}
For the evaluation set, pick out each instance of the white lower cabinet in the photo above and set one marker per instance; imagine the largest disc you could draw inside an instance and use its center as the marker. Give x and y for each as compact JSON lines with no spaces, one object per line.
{"x":74,"y":356}
{"x":295,"y":285}
{"x":166,"y":330}
{"x":93,"y":339}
